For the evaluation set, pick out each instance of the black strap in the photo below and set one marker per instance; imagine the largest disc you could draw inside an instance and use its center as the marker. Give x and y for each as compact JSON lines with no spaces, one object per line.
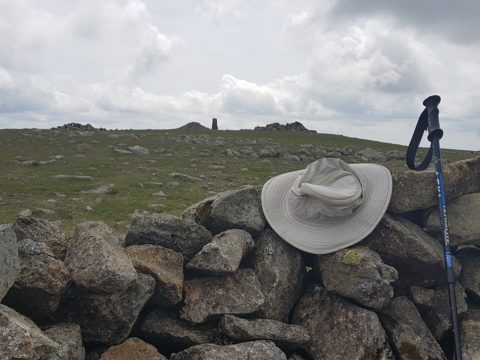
{"x":422,"y":125}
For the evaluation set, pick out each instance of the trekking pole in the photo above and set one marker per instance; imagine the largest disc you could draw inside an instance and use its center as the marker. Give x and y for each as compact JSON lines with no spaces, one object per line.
{"x":429,"y":120}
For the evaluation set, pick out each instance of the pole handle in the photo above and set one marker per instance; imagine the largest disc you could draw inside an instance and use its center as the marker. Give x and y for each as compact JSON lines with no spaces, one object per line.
{"x":431,"y":104}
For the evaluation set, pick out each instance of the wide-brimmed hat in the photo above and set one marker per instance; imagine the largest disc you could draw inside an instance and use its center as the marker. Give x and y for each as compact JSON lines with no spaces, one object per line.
{"x":328,"y":206}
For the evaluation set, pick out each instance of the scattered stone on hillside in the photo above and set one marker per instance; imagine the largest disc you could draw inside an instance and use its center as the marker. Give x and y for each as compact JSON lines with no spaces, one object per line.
{"x":25,"y":213}
{"x":280,"y":270}
{"x":358,"y":274}
{"x":43,"y":212}
{"x":417,"y":256}
{"x":83,"y":147}
{"x":97,"y":261}
{"x":408,"y":334}
{"x":42,"y":281}
{"x":294,"y":126}
{"x":254,"y":350}
{"x":69,"y":339}
{"x":166,"y":267}
{"x":395,"y":155}
{"x":234,"y":209}
{"x":103,"y":189}
{"x":193,"y":126}
{"x":438,"y":317}
{"x":73,"y":126}
{"x":9,"y":260}
{"x":223,"y":254}
{"x":74,"y":177}
{"x":184,"y":177}
{"x":107,"y":318}
{"x":168,"y":231}
{"x":421,"y":297}
{"x":372,"y":155}
{"x":283,"y":335}
{"x":463,"y":224}
{"x":413,"y":190}
{"x":470,"y":276}
{"x":470,"y":331}
{"x":167,"y":330}
{"x":48,"y":232}
{"x":159,"y":194}
{"x":138,"y":150}
{"x":20,"y":338}
{"x":132,"y":349}
{"x":269,"y":152}
{"x":210,"y":297}
{"x":122,"y":151}
{"x":340,"y":329}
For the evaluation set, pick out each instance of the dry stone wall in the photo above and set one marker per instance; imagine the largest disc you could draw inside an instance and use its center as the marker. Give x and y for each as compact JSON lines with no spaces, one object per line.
{"x":218,"y":283}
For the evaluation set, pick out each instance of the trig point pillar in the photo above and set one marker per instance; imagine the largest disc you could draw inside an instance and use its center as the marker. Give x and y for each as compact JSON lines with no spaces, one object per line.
{"x":214,"y":124}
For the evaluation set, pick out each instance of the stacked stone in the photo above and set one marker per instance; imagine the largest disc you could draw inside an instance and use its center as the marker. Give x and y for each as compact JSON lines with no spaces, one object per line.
{"x":218,"y":283}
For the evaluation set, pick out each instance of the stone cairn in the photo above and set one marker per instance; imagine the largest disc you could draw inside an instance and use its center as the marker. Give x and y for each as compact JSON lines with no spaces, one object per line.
{"x":219,"y":284}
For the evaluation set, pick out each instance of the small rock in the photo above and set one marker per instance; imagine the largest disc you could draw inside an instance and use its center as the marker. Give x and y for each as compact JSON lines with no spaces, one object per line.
{"x":159,"y":193}
{"x":74,"y":177}
{"x":185,"y":177}
{"x":372,"y":155}
{"x":138,"y":150}
{"x":132,"y":349}
{"x":25,"y":213}
{"x":69,"y":338}
{"x":104,"y":189}
{"x":122,"y":151}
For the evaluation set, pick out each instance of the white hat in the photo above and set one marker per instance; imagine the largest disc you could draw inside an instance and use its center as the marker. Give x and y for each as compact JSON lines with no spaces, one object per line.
{"x":328,"y":206}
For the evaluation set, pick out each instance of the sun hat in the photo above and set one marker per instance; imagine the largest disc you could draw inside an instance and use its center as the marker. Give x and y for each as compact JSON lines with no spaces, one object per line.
{"x":328,"y":206}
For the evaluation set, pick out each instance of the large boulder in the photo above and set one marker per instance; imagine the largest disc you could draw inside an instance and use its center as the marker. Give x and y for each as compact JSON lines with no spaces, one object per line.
{"x":209,"y":297}
{"x":43,"y":280}
{"x":280,"y":269}
{"x":107,"y":318}
{"x":470,"y":276}
{"x":463,"y":224}
{"x":166,"y":330}
{"x":254,"y":350}
{"x":132,"y":349}
{"x":183,"y":236}
{"x":48,"y":232}
{"x":414,"y":190}
{"x":96,"y":260}
{"x":470,"y":333}
{"x":358,"y":274}
{"x":223,"y":255}
{"x":20,"y":338}
{"x":340,"y":329}
{"x":283,"y":335}
{"x":166,"y":267}
{"x":234,"y":209}
{"x":409,"y":335}
{"x":417,"y":256}
{"x":9,"y":260}
{"x":69,"y":339}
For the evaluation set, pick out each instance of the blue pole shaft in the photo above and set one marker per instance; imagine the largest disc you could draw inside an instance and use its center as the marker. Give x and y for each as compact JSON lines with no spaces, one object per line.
{"x":442,"y":207}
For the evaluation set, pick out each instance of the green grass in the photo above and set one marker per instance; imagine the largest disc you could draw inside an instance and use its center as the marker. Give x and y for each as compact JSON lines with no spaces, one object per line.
{"x":33,"y":187}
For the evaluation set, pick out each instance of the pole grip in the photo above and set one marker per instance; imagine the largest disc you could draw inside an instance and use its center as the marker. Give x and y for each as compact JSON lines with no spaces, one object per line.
{"x":434,"y":130}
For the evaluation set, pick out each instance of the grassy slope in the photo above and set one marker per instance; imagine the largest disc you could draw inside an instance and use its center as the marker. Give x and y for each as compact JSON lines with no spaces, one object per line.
{"x":30,"y":186}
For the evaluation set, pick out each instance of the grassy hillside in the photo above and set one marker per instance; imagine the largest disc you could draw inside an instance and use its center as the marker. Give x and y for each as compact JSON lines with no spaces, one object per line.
{"x":213,"y":160}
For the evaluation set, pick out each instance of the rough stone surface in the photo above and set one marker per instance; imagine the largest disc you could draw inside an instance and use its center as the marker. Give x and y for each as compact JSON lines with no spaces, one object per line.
{"x":463,"y":224}
{"x":409,"y":335}
{"x":166,"y":267}
{"x":132,"y":349}
{"x":166,"y":330}
{"x":417,"y":256}
{"x":284,"y":335}
{"x":372,"y":155}
{"x":69,"y":338}
{"x":107,"y":318}
{"x":235,"y":209}
{"x":421,"y":297}
{"x":96,"y":261}
{"x":470,"y":277}
{"x":470,"y":332}
{"x":223,"y":255}
{"x":254,"y":350}
{"x":205,"y":298}
{"x":41,"y":283}
{"x":358,"y":274}
{"x":340,"y":329}
{"x":168,"y":231}
{"x":20,"y":338}
{"x":138,"y":150}
{"x":45,"y":231}
{"x":9,"y":260}
{"x":413,"y":190}
{"x":280,"y":270}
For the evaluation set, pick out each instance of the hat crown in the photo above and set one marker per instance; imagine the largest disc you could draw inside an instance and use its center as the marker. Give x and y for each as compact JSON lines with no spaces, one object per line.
{"x":327,"y":188}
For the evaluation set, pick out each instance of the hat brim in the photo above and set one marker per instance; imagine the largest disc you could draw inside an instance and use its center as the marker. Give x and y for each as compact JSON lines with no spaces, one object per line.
{"x":331,"y":233}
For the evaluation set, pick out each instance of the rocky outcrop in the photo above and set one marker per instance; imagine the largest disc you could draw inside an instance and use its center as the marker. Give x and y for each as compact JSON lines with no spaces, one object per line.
{"x":9,"y":261}
{"x":295,"y":126}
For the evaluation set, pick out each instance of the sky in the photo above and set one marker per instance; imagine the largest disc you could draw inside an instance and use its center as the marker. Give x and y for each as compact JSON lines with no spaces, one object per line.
{"x":356,"y":68}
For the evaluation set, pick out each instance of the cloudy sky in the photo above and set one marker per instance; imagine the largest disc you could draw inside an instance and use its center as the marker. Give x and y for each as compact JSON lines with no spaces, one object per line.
{"x":357,"y":68}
